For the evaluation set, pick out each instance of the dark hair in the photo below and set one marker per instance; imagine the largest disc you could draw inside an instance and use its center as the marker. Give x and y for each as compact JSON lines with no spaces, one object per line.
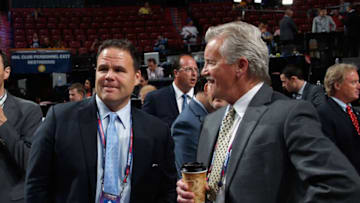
{"x":4,"y":59}
{"x":122,"y":44}
{"x":79,"y":88}
{"x":200,"y":84}
{"x":151,"y":60}
{"x":293,"y":70}
{"x":176,"y":65}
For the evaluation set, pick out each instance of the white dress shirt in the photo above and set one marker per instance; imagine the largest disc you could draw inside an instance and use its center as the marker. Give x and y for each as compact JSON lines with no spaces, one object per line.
{"x":124,"y":130}
{"x":179,"y":98}
{"x":240,"y":107}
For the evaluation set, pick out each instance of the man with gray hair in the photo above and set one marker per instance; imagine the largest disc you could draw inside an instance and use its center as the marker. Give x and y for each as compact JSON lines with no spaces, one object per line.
{"x":340,"y":121}
{"x":263,"y":147}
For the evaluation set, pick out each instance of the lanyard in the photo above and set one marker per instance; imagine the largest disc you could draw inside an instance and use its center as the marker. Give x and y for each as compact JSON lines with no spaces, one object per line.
{"x":103,"y":143}
{"x":224,"y":167}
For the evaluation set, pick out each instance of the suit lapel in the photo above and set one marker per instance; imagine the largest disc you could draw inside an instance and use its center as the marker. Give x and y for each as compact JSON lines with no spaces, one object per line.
{"x":248,"y":123}
{"x":205,"y":149}
{"x":173,"y":103}
{"x":306,"y":91}
{"x":11,"y":111}
{"x":142,"y":151}
{"x":88,"y":132}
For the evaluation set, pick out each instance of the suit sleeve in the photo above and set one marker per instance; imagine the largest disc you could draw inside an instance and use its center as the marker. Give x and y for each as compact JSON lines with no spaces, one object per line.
{"x":323,"y":168}
{"x":39,"y":174}
{"x":18,"y":141}
{"x":318,"y":97}
{"x":185,"y":146}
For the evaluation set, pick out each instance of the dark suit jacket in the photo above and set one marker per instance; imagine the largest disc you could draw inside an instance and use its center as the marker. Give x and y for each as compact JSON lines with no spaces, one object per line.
{"x":23,"y":118}
{"x":278,"y":143}
{"x":162,"y":104}
{"x":63,"y":160}
{"x":288,"y":29}
{"x":337,"y":125}
{"x":314,"y":94}
{"x":186,"y":131}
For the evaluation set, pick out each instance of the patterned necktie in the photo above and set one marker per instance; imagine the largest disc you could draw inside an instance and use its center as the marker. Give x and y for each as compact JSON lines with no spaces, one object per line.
{"x":184,"y":96}
{"x":112,"y":159}
{"x":353,"y":119}
{"x":220,"y":153}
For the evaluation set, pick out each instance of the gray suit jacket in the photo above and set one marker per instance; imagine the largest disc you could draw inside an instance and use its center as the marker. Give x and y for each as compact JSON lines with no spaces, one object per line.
{"x":23,"y":118}
{"x":186,"y":131}
{"x":314,"y":94}
{"x":280,"y":155}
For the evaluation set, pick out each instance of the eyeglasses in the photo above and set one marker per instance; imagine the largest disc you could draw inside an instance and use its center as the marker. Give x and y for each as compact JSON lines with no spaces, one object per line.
{"x":188,"y":69}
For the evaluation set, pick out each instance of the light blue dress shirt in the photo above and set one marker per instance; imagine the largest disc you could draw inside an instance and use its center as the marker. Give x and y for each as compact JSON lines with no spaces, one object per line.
{"x":124,"y":129}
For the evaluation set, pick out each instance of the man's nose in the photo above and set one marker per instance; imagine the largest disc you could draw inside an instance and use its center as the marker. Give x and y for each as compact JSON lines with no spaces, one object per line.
{"x":204,"y":70}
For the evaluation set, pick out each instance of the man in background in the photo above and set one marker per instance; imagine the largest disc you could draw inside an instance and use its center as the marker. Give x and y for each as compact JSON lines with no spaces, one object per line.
{"x":288,"y":31}
{"x":153,"y":71}
{"x":19,"y":119}
{"x":292,"y":80}
{"x":323,"y":22}
{"x":340,"y":121}
{"x":76,"y":92}
{"x":166,"y":103}
{"x":186,"y":128}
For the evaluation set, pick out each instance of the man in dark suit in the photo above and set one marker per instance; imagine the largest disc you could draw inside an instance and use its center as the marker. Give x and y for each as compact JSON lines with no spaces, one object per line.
{"x":342,"y":85}
{"x":68,"y":162}
{"x":186,"y":128}
{"x":292,"y":79}
{"x":166,"y":103}
{"x":352,"y":32}
{"x":19,"y":119}
{"x":288,"y":30}
{"x":263,"y":147}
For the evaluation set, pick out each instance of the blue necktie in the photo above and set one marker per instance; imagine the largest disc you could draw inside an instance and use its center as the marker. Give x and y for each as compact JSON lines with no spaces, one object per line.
{"x":184,"y":96}
{"x":112,"y":159}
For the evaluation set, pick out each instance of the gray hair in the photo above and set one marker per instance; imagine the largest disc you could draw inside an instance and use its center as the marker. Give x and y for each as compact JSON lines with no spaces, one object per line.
{"x":242,"y":40}
{"x":336,"y":74}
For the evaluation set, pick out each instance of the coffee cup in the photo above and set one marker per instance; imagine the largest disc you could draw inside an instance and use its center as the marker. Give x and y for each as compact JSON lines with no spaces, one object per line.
{"x":194,"y":174}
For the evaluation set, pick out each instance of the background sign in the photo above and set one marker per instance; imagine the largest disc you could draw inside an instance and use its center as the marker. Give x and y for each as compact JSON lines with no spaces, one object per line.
{"x":40,"y":61}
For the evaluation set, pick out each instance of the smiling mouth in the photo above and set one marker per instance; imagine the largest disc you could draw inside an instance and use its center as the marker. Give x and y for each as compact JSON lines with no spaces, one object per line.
{"x":210,"y":80}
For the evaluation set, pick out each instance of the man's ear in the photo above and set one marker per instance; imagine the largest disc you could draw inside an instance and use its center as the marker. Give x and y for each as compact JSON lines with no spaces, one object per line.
{"x":337,"y":85}
{"x":293,"y":78}
{"x":137,"y":77}
{"x":242,"y":65}
{"x":7,"y":71}
{"x":175,"y":73}
{"x":206,"y":88}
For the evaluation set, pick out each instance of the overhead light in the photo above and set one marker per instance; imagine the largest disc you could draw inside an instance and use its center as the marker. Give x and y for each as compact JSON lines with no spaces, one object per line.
{"x":237,"y":1}
{"x":257,"y":1}
{"x":287,"y":2}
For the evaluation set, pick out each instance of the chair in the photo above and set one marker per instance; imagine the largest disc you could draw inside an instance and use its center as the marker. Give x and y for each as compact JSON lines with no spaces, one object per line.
{"x":91,"y":31}
{"x":79,"y":32}
{"x":67,"y":32}
{"x":21,"y":44}
{"x":83,"y":51}
{"x":74,"y":44}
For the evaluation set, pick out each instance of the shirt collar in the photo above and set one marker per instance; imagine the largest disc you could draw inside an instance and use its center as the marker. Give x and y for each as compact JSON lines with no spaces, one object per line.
{"x":202,"y":106}
{"x":241,"y":104}
{"x":300,"y":92}
{"x":341,"y":103}
{"x":123,"y":114}
{"x":179,"y":93}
